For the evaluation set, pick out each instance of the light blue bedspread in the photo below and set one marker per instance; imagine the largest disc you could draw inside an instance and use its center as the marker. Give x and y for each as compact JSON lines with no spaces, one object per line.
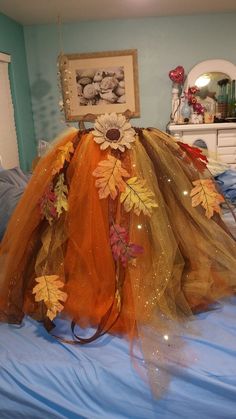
{"x":41,"y":378}
{"x":227,"y":184}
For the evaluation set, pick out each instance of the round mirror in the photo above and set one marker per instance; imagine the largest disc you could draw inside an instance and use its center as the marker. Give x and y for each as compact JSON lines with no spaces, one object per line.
{"x":214,"y":87}
{"x":216,"y":82}
{"x":206,"y":68}
{"x":211,"y":84}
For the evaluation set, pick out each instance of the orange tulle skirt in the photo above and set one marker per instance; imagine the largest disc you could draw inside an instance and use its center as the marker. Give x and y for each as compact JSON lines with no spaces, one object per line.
{"x":184,"y":261}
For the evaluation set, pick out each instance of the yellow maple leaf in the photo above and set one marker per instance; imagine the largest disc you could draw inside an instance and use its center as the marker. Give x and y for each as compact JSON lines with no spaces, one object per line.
{"x":204,"y":193}
{"x":61,"y":192}
{"x":138,"y":197}
{"x":48,"y":291}
{"x":110,"y":175}
{"x":63,"y":154}
{"x":53,"y":310}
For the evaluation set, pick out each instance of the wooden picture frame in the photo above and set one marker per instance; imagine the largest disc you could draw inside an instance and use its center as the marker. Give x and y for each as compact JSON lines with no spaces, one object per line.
{"x":98,"y":83}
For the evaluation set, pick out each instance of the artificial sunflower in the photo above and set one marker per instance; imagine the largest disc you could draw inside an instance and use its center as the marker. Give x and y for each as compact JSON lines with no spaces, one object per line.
{"x":113,"y":130}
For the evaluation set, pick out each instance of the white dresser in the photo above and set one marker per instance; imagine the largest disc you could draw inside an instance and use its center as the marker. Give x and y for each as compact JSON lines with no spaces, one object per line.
{"x":219,"y":139}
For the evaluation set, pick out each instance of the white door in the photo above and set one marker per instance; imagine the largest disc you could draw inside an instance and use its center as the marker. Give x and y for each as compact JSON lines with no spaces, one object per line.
{"x":8,"y":139}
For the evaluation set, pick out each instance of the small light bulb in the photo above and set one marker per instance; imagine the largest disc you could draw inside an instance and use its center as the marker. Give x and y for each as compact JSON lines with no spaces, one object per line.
{"x":185,"y":192}
{"x":139,"y":226}
{"x":166,"y":337}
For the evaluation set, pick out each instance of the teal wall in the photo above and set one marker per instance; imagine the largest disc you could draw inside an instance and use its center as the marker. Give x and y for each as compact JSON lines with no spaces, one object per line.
{"x":12,"y":42}
{"x":162,"y":44}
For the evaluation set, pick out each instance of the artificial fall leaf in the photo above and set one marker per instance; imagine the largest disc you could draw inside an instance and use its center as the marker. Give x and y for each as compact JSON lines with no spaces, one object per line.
{"x":121,"y":247}
{"x":118,"y":299}
{"x":63,"y":154}
{"x":48,"y":291}
{"x":136,"y":196}
{"x":195,"y":155}
{"x":110,"y":175}
{"x":204,"y":193}
{"x":53,"y":310}
{"x":61,"y":192}
{"x":47,"y":204}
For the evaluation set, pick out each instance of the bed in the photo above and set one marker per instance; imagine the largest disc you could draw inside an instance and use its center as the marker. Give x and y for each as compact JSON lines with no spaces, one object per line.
{"x":41,"y":377}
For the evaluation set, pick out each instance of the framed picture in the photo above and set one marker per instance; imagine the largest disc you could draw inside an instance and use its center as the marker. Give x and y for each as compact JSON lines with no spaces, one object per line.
{"x":97,"y":83}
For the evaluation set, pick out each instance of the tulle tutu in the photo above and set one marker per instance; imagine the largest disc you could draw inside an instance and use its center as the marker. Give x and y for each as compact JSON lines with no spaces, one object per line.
{"x":133,"y":257}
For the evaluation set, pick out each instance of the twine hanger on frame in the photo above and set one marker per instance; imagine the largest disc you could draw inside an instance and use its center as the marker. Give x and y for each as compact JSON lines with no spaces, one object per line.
{"x":89,"y":117}
{"x":60,"y":38}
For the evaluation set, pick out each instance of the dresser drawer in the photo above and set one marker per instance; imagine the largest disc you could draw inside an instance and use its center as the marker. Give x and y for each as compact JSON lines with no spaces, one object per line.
{"x":201,"y":138}
{"x":226,"y":150}
{"x":227,"y":158}
{"x":226,"y":138}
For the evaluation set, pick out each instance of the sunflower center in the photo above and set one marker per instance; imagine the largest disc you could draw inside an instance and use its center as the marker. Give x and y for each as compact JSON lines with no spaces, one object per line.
{"x":113,"y":134}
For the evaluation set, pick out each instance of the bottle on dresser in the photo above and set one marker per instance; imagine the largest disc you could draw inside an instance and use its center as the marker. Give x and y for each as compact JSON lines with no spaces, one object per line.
{"x":222,"y":101}
{"x":232,"y":100}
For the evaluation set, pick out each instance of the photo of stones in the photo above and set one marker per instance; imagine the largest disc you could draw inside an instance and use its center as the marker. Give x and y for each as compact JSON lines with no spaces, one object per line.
{"x":100,"y":86}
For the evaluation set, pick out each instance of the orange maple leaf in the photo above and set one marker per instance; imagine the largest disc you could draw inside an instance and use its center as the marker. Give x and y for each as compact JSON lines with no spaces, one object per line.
{"x":48,"y":291}
{"x":110,"y":175}
{"x":204,"y":193}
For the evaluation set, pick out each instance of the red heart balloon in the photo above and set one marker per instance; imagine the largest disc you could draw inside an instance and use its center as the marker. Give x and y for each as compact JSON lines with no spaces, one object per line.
{"x":177,"y":74}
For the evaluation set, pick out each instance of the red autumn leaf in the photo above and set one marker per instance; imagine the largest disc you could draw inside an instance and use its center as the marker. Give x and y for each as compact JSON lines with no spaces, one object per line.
{"x":48,"y":204}
{"x":121,"y":248}
{"x":196,"y":156}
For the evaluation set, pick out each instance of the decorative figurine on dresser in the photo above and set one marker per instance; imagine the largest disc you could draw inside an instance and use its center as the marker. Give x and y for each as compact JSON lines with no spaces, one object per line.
{"x":204,"y":108}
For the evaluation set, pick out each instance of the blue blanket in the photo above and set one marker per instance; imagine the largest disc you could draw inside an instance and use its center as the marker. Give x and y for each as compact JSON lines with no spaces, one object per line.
{"x":43,"y":378}
{"x":12,"y":185}
{"x":227,"y":184}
